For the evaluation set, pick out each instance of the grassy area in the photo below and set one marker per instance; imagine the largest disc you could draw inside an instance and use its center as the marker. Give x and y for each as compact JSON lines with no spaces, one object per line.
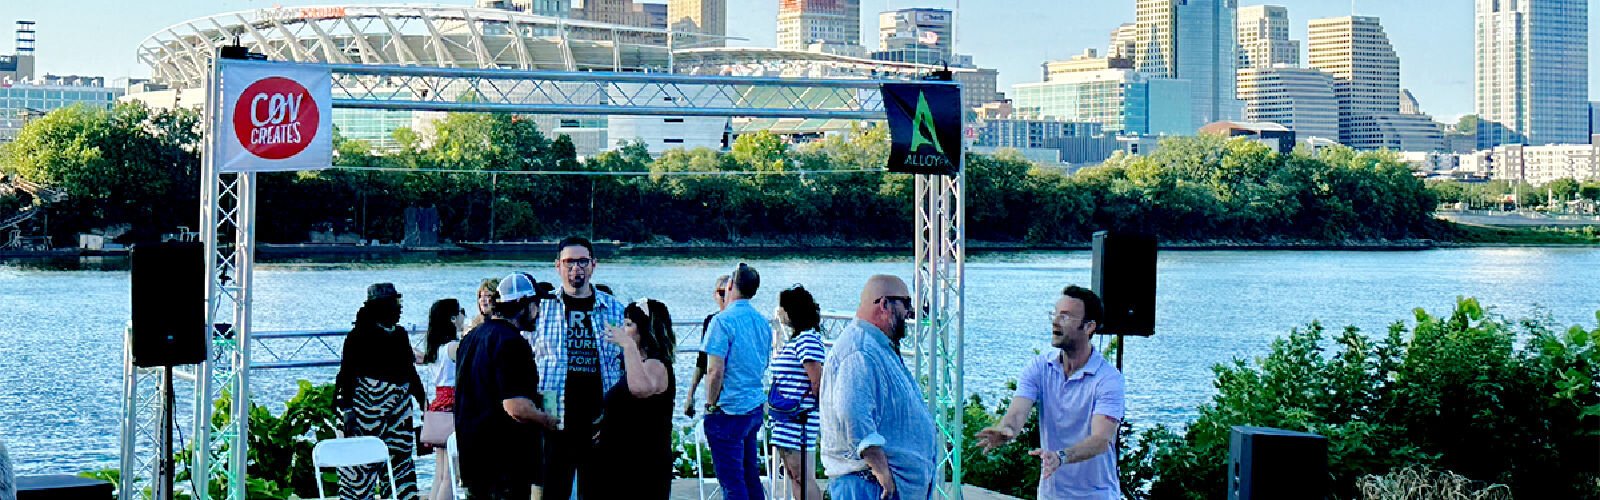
{"x":1464,"y":233}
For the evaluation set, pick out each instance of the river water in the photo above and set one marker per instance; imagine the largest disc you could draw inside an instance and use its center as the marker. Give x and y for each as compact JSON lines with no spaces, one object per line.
{"x":61,"y":328}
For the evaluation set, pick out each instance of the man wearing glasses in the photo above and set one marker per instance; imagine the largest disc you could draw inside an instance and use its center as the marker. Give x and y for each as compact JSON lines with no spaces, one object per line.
{"x":738,"y":345}
{"x":719,"y":294}
{"x":1080,"y":404}
{"x":575,"y":368}
{"x":878,"y":439}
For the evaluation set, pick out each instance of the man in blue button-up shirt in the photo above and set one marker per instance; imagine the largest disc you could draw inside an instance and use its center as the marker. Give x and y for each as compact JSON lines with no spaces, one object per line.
{"x":878,"y":438}
{"x":738,"y":343}
{"x":1080,"y":404}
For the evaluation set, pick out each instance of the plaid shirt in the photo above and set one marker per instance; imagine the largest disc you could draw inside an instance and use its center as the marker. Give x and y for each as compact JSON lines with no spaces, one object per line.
{"x":549,"y":344}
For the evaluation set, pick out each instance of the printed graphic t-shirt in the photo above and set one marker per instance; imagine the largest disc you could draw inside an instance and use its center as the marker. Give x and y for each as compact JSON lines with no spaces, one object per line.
{"x":583,"y":393}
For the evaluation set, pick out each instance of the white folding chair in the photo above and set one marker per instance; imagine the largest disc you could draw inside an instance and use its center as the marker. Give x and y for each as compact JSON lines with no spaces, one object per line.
{"x":455,"y":468}
{"x":351,"y":452}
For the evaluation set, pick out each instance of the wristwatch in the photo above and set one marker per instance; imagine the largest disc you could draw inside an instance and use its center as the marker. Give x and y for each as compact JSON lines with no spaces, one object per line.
{"x":713,"y":408}
{"x":1062,"y":456}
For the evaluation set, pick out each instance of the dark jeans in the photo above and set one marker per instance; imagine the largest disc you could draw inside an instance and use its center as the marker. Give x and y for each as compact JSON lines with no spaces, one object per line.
{"x":733,"y":453}
{"x":568,"y":451}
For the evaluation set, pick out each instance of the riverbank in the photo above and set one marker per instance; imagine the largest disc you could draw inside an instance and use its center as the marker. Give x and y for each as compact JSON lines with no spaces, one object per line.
{"x":473,"y":250}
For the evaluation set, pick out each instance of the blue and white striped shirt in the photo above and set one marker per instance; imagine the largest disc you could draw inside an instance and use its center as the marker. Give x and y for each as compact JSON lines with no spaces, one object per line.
{"x":790,"y":380}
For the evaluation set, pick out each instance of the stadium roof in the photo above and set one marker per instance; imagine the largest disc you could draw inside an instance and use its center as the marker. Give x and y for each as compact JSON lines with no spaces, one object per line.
{"x":438,"y":36}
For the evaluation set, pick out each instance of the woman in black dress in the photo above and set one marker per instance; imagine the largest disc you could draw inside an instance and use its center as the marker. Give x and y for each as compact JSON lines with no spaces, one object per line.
{"x":636,"y":428}
{"x":376,"y":384}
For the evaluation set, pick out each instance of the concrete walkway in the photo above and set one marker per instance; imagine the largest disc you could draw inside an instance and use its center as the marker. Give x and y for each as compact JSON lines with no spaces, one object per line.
{"x":685,"y":489}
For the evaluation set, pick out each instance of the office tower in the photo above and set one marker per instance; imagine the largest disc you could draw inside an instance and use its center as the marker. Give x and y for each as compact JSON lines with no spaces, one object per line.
{"x":832,"y":26}
{"x":1531,"y":71}
{"x":709,"y":17}
{"x":1191,"y":40}
{"x":1124,"y":42}
{"x":1263,"y":32}
{"x":917,"y":35}
{"x":1365,"y":69}
{"x":1301,"y":99}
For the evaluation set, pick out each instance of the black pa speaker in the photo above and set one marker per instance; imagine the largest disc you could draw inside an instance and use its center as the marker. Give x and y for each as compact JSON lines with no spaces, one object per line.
{"x":1125,"y":280}
{"x":169,"y":303}
{"x":1267,"y":464}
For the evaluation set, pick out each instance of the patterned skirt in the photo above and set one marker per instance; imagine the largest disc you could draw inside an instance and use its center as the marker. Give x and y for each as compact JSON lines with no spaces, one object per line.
{"x":381,"y":409}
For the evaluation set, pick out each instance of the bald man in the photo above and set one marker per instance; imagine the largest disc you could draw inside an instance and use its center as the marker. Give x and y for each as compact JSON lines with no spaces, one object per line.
{"x":878,"y":439}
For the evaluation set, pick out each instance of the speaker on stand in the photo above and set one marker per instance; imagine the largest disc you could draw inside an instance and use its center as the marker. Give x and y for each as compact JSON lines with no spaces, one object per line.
{"x":1124,"y":277}
{"x":168,"y":326}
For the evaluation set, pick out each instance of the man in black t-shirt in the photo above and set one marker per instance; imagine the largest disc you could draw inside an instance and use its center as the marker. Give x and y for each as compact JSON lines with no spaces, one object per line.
{"x":720,"y":296}
{"x":499,"y":427}
{"x":577,"y":368}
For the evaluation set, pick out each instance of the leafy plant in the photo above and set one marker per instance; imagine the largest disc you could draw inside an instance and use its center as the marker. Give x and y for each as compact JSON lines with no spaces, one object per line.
{"x":1513,"y":403}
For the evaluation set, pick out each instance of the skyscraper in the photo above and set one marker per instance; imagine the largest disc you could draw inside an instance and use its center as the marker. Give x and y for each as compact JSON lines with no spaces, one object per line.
{"x":605,"y":11}
{"x":1298,"y":98}
{"x":700,"y":16}
{"x":1531,"y":71}
{"x":1124,"y":42}
{"x":1264,"y":37}
{"x":917,"y":35}
{"x":1365,"y":69}
{"x":1191,"y":40}
{"x":832,"y":25}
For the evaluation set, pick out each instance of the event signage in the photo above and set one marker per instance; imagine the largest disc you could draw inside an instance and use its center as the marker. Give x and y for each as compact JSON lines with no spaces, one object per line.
{"x":276,"y":116}
{"x":924,"y":127}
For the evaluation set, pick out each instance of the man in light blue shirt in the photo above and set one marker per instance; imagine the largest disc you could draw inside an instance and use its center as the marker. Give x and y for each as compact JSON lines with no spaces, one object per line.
{"x":1080,"y":399}
{"x":878,"y":438}
{"x":738,"y":343}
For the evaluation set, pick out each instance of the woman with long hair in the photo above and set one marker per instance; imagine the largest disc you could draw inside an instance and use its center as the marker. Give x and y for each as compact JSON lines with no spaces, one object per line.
{"x":636,"y":425}
{"x":797,"y":376}
{"x":488,"y":294}
{"x":376,"y":383}
{"x":445,"y":320}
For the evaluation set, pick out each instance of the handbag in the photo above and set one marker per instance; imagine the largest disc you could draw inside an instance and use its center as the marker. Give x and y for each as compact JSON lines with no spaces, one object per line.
{"x":437,"y":426}
{"x":784,"y":409}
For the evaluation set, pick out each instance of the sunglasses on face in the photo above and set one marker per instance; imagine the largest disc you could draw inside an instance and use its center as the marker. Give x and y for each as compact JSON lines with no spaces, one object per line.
{"x":578,"y":262}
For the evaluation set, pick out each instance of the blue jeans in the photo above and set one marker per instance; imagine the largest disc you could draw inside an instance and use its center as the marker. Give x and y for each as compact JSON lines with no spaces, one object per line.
{"x":733,"y":452}
{"x":854,"y":486}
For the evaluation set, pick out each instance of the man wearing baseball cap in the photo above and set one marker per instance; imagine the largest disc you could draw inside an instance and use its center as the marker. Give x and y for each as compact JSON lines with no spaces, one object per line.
{"x":499,"y":427}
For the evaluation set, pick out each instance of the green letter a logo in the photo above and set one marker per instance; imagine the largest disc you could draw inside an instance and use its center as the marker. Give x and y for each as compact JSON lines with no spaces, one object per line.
{"x":923,"y":119}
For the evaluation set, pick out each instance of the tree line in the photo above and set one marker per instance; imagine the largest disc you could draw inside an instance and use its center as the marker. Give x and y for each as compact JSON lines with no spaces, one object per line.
{"x":133,"y":165}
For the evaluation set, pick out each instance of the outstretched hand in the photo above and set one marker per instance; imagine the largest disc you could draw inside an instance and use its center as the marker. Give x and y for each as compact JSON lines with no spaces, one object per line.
{"x":995,"y":437}
{"x":1050,"y":462}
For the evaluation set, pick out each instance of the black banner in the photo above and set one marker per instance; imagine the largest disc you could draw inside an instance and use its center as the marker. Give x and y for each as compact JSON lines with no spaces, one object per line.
{"x":925,"y":127}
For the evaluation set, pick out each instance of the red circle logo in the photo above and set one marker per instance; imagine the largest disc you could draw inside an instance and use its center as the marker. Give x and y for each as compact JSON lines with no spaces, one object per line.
{"x":275,"y":118}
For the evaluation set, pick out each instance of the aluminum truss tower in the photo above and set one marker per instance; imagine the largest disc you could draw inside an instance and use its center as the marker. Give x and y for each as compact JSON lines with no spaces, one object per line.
{"x":228,"y":219}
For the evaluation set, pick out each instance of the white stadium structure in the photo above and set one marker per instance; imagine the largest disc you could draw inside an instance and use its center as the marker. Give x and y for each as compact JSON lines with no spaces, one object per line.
{"x":468,"y":37}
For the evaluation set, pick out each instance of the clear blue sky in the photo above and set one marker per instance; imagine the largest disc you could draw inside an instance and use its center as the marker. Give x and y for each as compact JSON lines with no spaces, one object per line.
{"x":1433,"y":37}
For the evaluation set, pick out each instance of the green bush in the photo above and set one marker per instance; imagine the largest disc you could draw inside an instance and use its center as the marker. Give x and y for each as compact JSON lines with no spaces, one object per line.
{"x":1514,"y":403}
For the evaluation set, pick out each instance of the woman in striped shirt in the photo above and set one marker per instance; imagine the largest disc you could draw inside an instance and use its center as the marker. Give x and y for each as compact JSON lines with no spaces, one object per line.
{"x":797,"y":375}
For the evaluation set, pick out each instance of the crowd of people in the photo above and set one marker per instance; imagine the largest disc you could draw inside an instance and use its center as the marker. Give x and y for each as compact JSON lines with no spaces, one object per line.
{"x":561,"y":390}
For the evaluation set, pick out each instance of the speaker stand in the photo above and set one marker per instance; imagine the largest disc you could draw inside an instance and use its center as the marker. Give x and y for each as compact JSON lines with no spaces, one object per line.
{"x":165,"y":475}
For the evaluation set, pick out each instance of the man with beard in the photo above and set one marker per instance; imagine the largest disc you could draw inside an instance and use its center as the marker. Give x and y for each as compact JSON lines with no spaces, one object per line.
{"x":498,"y":422}
{"x":1080,"y":405}
{"x":576,"y":369}
{"x":878,"y":438}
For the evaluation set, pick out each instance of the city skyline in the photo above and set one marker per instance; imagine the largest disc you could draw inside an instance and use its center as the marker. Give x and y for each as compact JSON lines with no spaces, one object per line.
{"x":1436,"y":63}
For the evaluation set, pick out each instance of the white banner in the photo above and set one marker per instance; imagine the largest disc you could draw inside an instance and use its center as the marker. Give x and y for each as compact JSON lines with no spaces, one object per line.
{"x":275,"y":116}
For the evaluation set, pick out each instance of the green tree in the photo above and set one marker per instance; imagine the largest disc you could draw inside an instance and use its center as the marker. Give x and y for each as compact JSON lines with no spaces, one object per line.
{"x":1468,"y":124}
{"x":125,"y":165}
{"x":1562,"y":189}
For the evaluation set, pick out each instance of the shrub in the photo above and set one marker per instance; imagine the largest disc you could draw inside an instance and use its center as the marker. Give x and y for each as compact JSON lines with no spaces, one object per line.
{"x":1504,"y":402}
